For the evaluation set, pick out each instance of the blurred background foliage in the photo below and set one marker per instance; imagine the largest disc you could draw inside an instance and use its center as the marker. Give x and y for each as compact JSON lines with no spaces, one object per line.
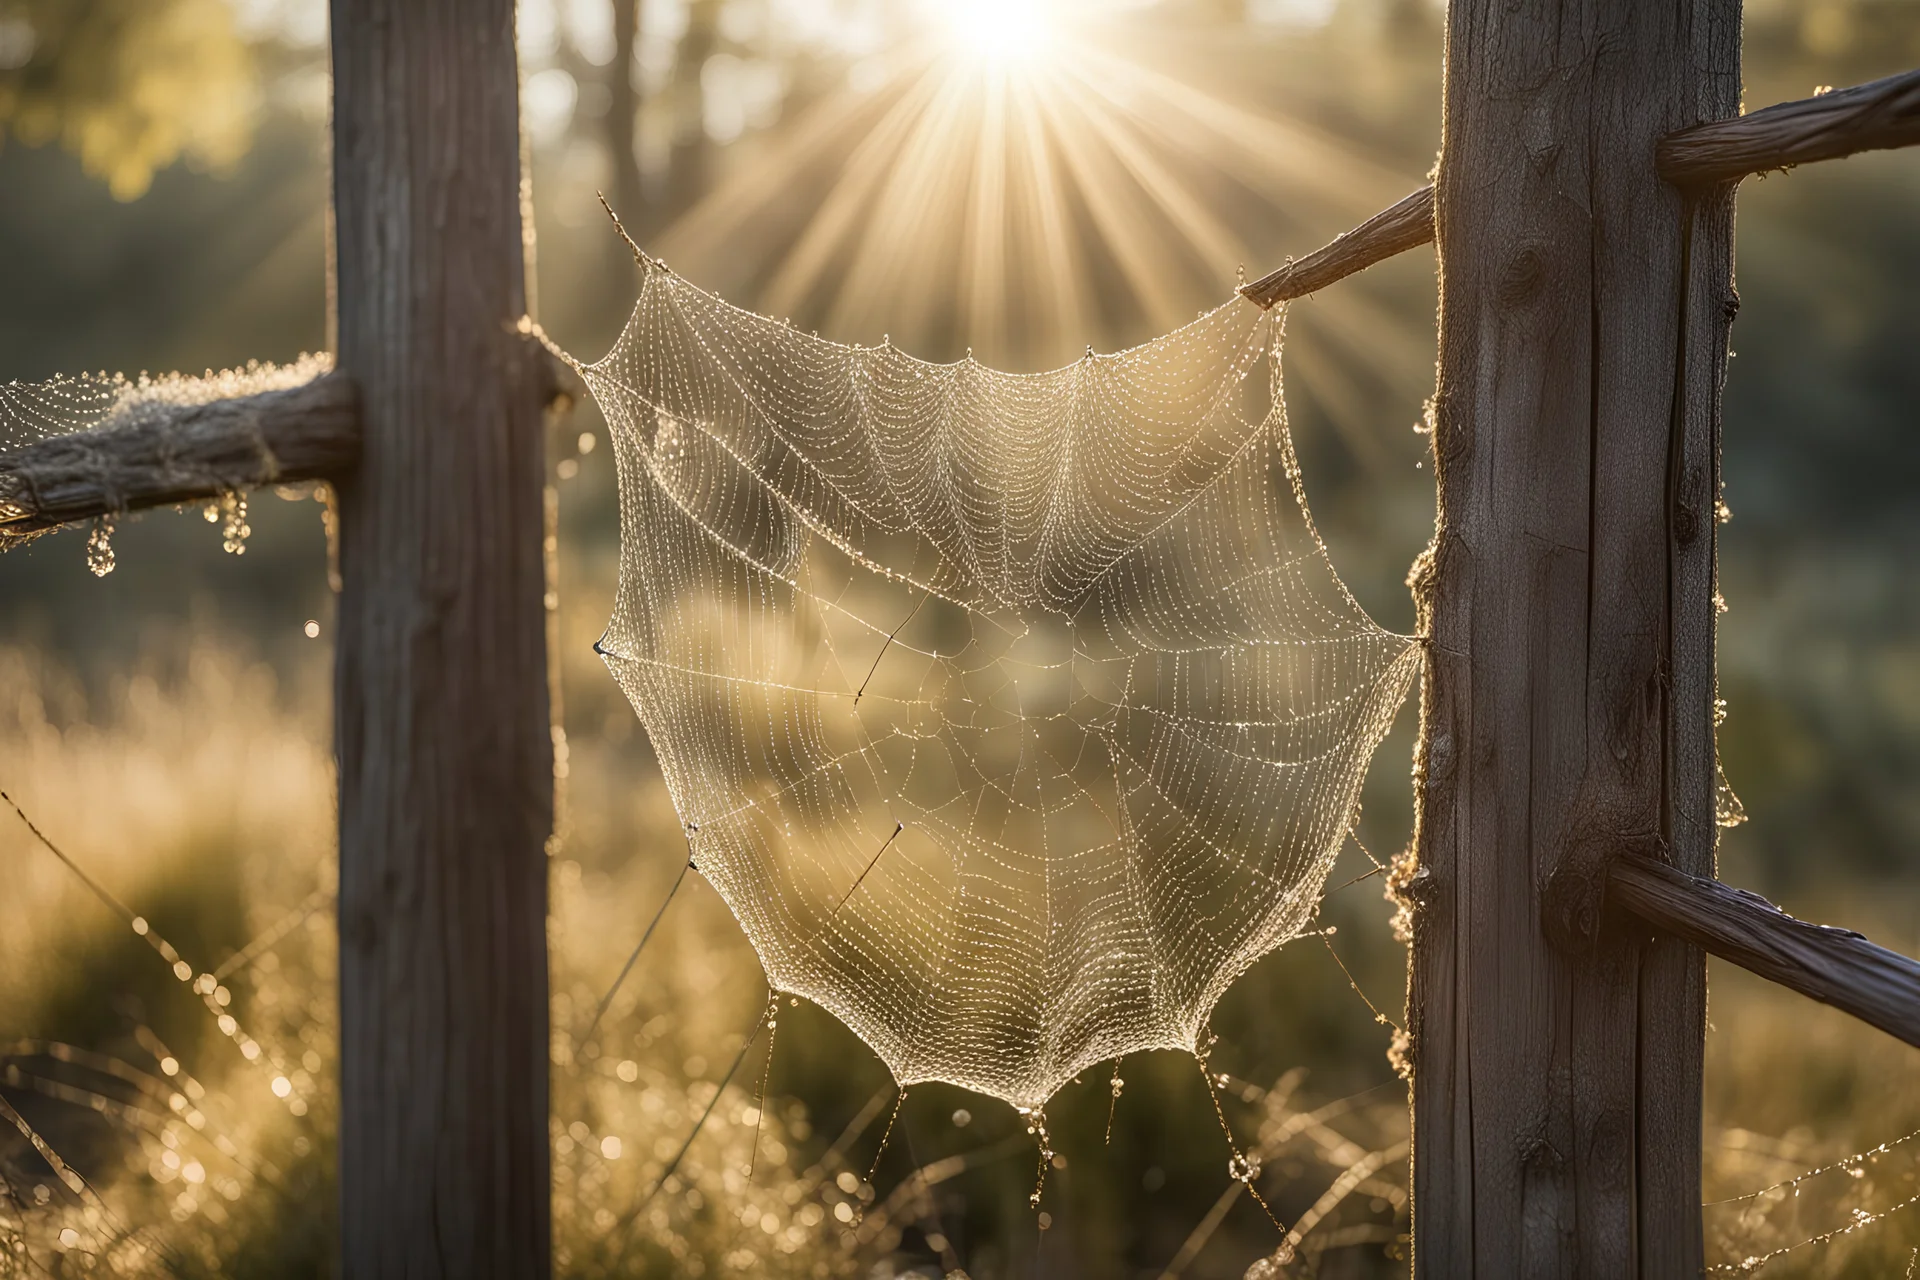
{"x":162,"y":206}
{"x":129,"y":87}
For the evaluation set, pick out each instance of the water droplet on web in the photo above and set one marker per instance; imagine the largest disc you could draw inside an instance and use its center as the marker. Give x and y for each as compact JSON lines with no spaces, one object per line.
{"x":100,"y":547}
{"x":234,"y":529}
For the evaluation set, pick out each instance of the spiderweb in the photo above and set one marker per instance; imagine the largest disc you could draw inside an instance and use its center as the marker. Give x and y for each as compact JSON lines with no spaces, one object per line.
{"x":1014,"y":716}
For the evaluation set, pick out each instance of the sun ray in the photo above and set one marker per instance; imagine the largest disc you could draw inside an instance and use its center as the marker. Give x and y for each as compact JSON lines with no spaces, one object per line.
{"x":1030,"y":175}
{"x":983,"y":257}
{"x":1116,"y":213}
{"x":1285,"y":156}
{"x":719,"y":223}
{"x":1066,"y":302}
{"x":800,"y":273}
{"x":1211,"y":239}
{"x":909,"y":232}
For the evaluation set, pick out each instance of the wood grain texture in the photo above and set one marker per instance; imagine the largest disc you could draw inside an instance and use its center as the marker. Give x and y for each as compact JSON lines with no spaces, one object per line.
{"x":1834,"y":966}
{"x":1406,"y":224}
{"x":1869,"y":117}
{"x":1672,"y":999}
{"x":445,"y":754}
{"x":169,"y":454}
{"x":1575,"y":416}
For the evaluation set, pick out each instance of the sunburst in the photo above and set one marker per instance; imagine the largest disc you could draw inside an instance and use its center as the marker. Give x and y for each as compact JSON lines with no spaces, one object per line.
{"x":1019,"y":177}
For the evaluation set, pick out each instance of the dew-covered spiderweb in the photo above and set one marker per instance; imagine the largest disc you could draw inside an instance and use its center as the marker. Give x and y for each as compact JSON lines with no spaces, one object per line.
{"x":1013,"y":715}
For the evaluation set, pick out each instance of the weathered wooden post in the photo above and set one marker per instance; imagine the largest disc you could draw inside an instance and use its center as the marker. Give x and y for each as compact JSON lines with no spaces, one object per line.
{"x":1568,"y":595}
{"x":445,"y":757}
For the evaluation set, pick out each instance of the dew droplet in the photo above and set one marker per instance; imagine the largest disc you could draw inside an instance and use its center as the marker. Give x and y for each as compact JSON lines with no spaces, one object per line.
{"x":235,"y":530}
{"x":100,"y":547}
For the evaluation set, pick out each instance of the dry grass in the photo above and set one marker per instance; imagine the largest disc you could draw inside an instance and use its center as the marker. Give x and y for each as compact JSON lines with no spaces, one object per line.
{"x":202,"y":796}
{"x":1793,"y":1086}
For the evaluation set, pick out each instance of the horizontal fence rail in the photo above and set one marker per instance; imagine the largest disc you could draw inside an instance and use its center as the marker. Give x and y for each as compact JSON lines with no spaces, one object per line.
{"x":1871,"y":117}
{"x":1878,"y":116}
{"x":164,"y":455}
{"x":170,"y":454}
{"x":1834,"y":966}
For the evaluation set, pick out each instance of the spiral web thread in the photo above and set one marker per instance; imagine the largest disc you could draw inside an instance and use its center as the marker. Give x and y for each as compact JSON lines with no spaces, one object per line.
{"x":1014,"y":716}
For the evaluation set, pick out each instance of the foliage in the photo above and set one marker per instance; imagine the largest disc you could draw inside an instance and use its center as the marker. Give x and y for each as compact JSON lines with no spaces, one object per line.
{"x":129,"y":86}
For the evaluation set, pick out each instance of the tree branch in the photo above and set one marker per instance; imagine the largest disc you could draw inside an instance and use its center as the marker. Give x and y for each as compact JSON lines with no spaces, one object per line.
{"x":1868,"y":117}
{"x":162,"y":454}
{"x":1393,"y":230}
{"x":1834,"y":966}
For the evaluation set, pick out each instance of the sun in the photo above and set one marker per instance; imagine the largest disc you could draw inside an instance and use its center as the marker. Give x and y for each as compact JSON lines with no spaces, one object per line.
{"x":998,"y":31}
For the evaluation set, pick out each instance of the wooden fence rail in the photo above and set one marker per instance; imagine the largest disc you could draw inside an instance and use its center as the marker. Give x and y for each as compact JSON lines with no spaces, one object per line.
{"x":1878,"y":116}
{"x":1834,"y":966}
{"x":172,"y":454}
{"x":169,"y":454}
{"x":1870,"y":117}
{"x":1407,"y":224}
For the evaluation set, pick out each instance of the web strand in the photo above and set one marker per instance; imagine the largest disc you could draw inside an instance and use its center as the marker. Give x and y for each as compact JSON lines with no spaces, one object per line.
{"x":1243,"y":1166}
{"x":646,"y":934}
{"x":766,"y":1076}
{"x":672,"y":1166}
{"x":205,"y":985}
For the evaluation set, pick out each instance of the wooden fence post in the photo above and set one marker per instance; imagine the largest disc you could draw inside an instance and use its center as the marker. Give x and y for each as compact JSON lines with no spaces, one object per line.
{"x":1567,"y":717}
{"x":442,"y":730}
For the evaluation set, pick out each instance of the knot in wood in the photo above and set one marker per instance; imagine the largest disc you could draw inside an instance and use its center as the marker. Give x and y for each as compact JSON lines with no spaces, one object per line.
{"x":1573,"y":902}
{"x":1522,"y":278}
{"x":1686,"y":524}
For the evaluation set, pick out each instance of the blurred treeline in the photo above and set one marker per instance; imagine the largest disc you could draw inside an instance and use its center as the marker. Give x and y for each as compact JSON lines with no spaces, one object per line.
{"x":163,"y":179}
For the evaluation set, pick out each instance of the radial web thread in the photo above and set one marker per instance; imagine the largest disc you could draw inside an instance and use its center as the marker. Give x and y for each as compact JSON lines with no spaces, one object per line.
{"x":1013,"y":715}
